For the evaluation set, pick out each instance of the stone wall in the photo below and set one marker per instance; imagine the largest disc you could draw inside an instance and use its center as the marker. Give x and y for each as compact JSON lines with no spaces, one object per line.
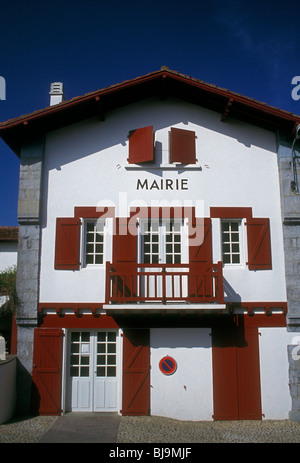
{"x":29,"y":205}
{"x":290,"y":205}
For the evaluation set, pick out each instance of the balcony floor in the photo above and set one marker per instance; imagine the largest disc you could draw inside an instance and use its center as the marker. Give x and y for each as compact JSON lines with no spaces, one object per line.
{"x":170,"y":307}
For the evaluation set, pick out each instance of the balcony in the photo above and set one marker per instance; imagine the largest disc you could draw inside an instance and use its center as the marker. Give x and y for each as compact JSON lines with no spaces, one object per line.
{"x":136,"y":286}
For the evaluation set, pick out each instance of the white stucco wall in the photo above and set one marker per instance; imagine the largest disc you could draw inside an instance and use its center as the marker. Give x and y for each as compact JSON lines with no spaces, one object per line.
{"x":187,"y":393}
{"x":8,"y":254}
{"x":86,"y":165}
{"x":274,"y":372}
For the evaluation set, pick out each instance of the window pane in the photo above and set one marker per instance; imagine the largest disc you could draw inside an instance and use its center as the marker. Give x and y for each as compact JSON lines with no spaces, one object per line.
{"x":235,"y":259}
{"x":100,"y":371}
{"x":99,"y":260}
{"x":74,"y":359}
{"x":85,"y":337}
{"x":74,"y":348}
{"x":90,"y":227}
{"x":111,"y":360}
{"x":111,"y":336}
{"x":75,"y":337}
{"x":84,"y":372}
{"x":101,"y":348}
{"x":101,"y":337}
{"x":111,"y":371}
{"x":234,"y":237}
{"x":74,"y":371}
{"x":111,"y":348}
{"x":100,"y":359}
{"x":85,"y":360}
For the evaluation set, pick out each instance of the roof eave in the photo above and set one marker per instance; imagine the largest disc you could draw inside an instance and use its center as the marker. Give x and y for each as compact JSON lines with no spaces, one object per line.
{"x":163,"y":83}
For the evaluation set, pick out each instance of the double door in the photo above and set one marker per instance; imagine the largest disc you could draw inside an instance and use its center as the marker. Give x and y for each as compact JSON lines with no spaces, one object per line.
{"x":164,"y":246}
{"x":93,"y":370}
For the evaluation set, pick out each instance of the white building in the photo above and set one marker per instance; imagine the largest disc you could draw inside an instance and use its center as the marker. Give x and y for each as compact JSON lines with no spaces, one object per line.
{"x":151,"y":261}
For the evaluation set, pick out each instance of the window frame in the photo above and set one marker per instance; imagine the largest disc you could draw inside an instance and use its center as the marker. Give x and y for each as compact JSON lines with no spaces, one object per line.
{"x":241,"y":242}
{"x":84,"y":243}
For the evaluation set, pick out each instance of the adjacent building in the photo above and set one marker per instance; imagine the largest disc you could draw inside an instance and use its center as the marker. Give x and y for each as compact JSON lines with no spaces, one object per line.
{"x":158,"y":259}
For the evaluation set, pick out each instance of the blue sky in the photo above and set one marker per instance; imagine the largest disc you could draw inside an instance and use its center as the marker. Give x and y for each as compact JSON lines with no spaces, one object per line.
{"x":247,"y":47}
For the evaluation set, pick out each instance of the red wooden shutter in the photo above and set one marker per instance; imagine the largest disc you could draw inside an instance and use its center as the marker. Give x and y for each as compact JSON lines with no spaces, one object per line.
{"x":125,"y":241}
{"x":236,"y":372}
{"x":124,"y":252}
{"x":67,"y":244}
{"x":136,"y":372}
{"x":141,"y":145}
{"x":259,"y":244}
{"x":183,"y":146}
{"x":225,"y":391}
{"x":200,"y":258}
{"x":46,"y":374}
{"x":249,"y":395}
{"x":200,"y":253}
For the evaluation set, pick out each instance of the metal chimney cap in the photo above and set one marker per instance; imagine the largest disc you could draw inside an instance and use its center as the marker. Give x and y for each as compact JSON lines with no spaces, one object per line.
{"x":57,"y":88}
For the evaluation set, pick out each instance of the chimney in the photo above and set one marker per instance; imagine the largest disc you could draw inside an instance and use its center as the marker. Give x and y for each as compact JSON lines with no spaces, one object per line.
{"x":56,"y":93}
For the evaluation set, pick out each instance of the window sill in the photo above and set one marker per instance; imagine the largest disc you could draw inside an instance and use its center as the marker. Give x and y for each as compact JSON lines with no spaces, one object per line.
{"x":163,"y":167}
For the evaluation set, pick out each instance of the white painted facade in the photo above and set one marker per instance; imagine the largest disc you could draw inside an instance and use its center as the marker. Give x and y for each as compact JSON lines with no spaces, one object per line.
{"x":8,"y":254}
{"x":86,"y":165}
{"x":187,"y":394}
{"x":275,"y":393}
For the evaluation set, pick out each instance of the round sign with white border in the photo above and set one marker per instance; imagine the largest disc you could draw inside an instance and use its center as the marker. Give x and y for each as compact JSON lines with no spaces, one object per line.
{"x":167,"y":365}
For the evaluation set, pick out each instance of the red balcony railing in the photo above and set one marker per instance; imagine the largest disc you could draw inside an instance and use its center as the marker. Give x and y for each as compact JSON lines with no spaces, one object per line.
{"x":162,"y":283}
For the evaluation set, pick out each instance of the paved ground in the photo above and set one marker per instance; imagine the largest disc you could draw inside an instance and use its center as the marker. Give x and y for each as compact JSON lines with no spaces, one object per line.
{"x":97,"y":428}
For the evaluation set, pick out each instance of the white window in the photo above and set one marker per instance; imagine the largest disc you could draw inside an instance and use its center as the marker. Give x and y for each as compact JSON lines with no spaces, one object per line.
{"x":231,"y":241}
{"x":163,"y":242}
{"x":94,"y":242}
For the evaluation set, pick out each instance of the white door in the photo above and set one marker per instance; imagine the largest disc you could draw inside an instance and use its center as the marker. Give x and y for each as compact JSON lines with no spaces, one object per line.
{"x":164,"y":242}
{"x":93,"y":371}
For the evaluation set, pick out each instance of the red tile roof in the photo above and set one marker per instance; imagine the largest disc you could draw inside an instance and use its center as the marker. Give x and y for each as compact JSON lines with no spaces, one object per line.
{"x":9,"y":233}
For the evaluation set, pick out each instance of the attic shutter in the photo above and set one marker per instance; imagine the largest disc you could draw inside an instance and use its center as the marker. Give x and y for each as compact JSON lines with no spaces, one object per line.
{"x":141,"y":145}
{"x":259,"y":244}
{"x":67,"y":244}
{"x":183,"y":146}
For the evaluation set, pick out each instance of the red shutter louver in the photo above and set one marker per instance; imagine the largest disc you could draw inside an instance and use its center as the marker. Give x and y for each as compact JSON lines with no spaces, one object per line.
{"x":259,"y":244}
{"x":141,"y":145}
{"x":183,"y":146}
{"x":67,"y":244}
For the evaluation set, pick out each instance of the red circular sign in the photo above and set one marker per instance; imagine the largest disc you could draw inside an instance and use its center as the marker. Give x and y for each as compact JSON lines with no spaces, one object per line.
{"x":167,"y":365}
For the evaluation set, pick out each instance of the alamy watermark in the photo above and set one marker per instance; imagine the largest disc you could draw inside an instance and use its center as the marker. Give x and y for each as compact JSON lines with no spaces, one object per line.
{"x":296,"y":349}
{"x":2,"y":88}
{"x":296,"y":90}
